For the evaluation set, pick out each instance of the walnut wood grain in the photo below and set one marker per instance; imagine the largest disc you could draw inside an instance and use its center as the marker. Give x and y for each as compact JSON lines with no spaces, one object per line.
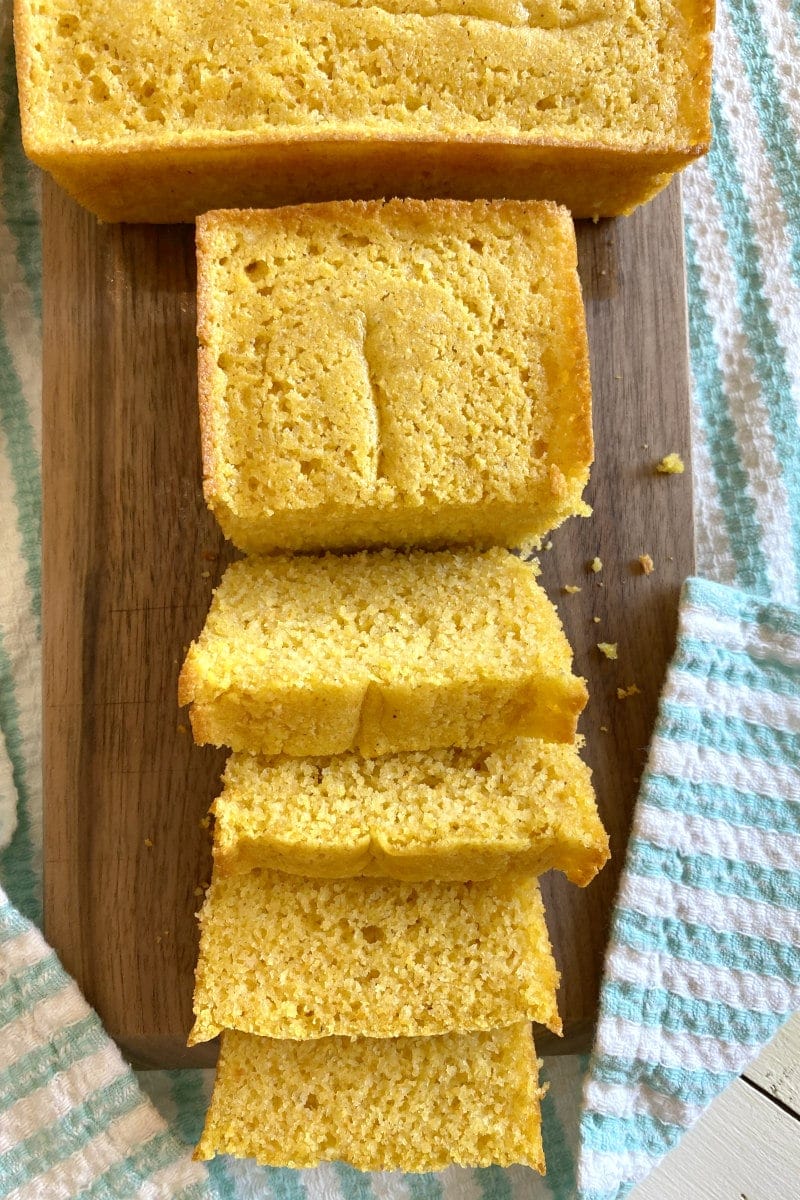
{"x":131,"y":556}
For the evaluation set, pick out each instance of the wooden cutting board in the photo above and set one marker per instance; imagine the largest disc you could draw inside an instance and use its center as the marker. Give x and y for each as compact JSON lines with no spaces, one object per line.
{"x":131,"y":557}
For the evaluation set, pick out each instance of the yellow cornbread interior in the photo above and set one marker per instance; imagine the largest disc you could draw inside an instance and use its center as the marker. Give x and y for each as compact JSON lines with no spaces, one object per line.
{"x":379,"y":652}
{"x":453,"y":814}
{"x":288,"y":957}
{"x":618,"y":72}
{"x":409,"y":1104}
{"x":443,"y":397}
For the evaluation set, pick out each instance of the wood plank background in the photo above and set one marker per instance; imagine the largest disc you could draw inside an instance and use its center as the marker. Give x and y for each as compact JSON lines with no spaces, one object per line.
{"x":131,"y":555}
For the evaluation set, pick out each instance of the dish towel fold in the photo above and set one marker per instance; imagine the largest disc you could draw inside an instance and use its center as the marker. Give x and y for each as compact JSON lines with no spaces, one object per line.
{"x":704,"y":960}
{"x":703,"y":964}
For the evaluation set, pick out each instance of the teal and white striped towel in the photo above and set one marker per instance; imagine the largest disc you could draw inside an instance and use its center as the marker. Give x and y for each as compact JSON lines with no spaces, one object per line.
{"x":74,"y":1120}
{"x":704,"y":961}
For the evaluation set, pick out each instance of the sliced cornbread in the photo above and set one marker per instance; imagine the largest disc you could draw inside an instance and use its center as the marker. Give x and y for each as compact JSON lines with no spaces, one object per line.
{"x":442,"y":814}
{"x":410,"y":1104}
{"x":444,"y":397}
{"x":159,"y":111}
{"x":287,"y":957}
{"x":379,"y":652}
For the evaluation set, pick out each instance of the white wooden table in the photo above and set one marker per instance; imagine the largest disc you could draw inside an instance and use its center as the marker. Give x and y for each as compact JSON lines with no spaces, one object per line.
{"x":747,"y":1145}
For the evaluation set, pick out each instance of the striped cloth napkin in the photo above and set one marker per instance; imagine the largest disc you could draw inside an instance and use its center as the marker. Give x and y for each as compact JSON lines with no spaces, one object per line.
{"x":704,"y":961}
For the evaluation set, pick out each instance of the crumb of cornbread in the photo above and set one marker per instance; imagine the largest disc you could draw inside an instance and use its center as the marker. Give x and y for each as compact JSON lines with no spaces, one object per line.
{"x":288,"y":957}
{"x":407,"y":1104}
{"x":480,"y":434}
{"x":609,"y":649}
{"x":595,"y":565}
{"x":626,"y":692}
{"x":380,"y":652}
{"x":571,"y":589}
{"x":447,"y":814}
{"x":646,"y":563}
{"x":161,"y":111}
{"x":671,"y":464}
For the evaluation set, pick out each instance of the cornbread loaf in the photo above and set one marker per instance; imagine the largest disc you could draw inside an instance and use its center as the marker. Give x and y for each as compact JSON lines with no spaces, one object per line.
{"x":444,"y":397}
{"x":296,"y":958}
{"x":410,"y":1104}
{"x":160,"y":111}
{"x":380,"y":652}
{"x":443,"y":814}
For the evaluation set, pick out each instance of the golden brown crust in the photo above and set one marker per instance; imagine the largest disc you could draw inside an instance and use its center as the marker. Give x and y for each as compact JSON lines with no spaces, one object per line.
{"x":239,"y":858}
{"x":337,"y":210}
{"x":702,"y":17}
{"x":152,"y":185}
{"x":22,"y":54}
{"x":205,"y":242}
{"x":187,"y":682}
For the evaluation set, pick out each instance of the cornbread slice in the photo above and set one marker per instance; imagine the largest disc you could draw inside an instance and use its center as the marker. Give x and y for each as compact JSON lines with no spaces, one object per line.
{"x":160,"y":110}
{"x":296,"y":958}
{"x":445,"y":395}
{"x":409,"y":1104}
{"x":380,"y":652}
{"x":443,"y":814}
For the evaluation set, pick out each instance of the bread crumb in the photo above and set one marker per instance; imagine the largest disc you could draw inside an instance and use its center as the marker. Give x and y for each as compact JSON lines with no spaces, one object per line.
{"x":646,"y":563}
{"x":149,"y":843}
{"x":158,"y":939}
{"x":624,"y":693}
{"x":608,"y":648}
{"x":671,"y":464}
{"x":596,"y":620}
{"x":204,"y":822}
{"x":205,"y":574}
{"x":548,"y":545}
{"x":570,"y":589}
{"x":595,"y":565}
{"x":198,"y":891}
{"x":604,"y":729}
